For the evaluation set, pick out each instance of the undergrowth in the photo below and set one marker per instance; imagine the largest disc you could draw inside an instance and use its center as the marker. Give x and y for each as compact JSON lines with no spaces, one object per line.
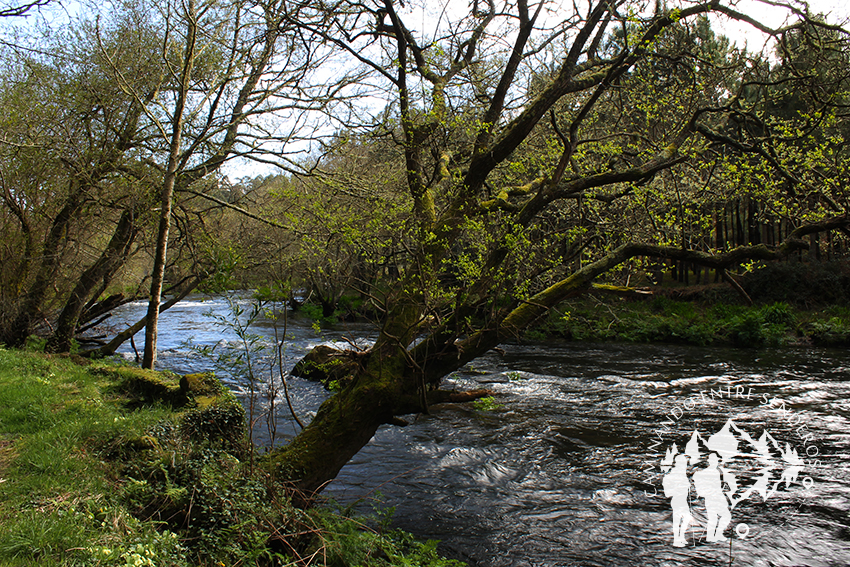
{"x":664,"y":320}
{"x":90,"y":475}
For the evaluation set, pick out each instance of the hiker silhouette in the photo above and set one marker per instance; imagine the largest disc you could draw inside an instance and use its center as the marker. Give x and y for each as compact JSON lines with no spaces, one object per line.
{"x":709,"y":486}
{"x":676,"y":487}
{"x":724,"y":470}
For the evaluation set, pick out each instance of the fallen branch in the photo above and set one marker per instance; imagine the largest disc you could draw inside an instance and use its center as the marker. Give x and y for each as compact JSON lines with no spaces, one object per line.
{"x":455,"y":397}
{"x":110,"y":348}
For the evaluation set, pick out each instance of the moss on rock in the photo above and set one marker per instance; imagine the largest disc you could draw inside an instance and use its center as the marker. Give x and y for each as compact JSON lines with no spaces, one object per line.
{"x":201,"y":384}
{"x":327,"y":365}
{"x":217,"y":420}
{"x":202,"y":388}
{"x":142,"y":386}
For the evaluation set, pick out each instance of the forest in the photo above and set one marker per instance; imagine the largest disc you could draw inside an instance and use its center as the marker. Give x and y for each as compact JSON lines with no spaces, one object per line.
{"x":452,"y":172}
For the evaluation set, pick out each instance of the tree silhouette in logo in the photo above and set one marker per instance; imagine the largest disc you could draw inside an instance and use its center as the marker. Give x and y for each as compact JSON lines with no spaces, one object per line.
{"x":724,"y":470}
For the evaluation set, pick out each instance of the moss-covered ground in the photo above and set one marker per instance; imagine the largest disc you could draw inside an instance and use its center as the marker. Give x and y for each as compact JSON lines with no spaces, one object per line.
{"x":104,"y":465}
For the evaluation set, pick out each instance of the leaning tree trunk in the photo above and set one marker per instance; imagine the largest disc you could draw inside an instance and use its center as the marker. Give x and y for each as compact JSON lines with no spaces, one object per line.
{"x":380,"y":388}
{"x":180,"y":293}
{"x":46,"y":275}
{"x":392,"y":380}
{"x":22,"y":270}
{"x":110,"y":260}
{"x":385,"y":383}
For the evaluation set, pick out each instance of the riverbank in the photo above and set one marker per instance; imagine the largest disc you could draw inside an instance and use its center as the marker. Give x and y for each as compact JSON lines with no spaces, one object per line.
{"x":772,"y":305}
{"x":708,"y":321}
{"x":106,"y":465}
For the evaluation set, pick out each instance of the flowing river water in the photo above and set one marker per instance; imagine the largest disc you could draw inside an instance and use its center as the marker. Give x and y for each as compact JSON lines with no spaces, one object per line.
{"x":568,"y":471}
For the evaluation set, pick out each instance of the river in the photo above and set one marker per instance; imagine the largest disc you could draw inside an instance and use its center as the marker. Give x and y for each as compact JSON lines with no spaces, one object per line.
{"x":568,"y":470}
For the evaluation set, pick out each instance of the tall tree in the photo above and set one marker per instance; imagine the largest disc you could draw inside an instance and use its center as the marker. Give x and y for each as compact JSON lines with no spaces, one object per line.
{"x":134,"y":100}
{"x":183,"y":77}
{"x":468,"y":99}
{"x":230,"y":67}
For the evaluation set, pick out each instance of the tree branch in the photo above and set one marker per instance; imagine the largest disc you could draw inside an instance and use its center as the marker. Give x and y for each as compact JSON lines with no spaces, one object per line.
{"x":521,"y":317}
{"x":232,"y":207}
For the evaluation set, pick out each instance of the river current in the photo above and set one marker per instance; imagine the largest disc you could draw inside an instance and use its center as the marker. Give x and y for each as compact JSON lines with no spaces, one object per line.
{"x":568,"y":469}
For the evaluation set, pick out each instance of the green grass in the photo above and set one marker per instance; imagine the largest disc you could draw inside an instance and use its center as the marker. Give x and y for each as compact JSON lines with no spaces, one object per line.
{"x":109,"y":466}
{"x":55,"y":427}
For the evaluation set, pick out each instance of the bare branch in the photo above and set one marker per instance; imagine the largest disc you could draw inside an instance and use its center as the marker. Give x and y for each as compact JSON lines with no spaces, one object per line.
{"x":23,"y":9}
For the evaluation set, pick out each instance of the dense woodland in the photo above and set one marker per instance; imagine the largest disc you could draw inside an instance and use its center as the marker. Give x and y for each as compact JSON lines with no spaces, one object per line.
{"x":458,"y":170}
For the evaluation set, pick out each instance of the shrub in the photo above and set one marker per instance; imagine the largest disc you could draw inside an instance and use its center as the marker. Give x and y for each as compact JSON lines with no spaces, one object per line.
{"x":221,"y":424}
{"x":778,"y":313}
{"x":746,"y":331}
{"x":752,"y":330}
{"x":833,"y":332}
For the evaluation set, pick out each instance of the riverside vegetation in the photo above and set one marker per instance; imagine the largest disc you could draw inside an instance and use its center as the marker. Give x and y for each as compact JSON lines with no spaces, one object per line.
{"x":107,"y":465}
{"x":790,"y":304}
{"x":460,"y":185}
{"x":104,"y":464}
{"x":697,"y":323}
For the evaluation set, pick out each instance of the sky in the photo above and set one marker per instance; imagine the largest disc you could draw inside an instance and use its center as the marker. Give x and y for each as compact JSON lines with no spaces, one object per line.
{"x":838,"y":12}
{"x":742,"y":34}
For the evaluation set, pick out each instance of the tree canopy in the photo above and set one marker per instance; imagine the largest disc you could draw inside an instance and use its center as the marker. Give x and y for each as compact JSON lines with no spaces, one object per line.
{"x":465,"y":168}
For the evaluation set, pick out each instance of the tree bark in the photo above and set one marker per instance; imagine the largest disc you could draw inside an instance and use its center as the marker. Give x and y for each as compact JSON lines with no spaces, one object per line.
{"x":27,"y":234}
{"x":158,"y":275}
{"x":167,"y":195}
{"x":49,"y":267}
{"x":110,"y":260}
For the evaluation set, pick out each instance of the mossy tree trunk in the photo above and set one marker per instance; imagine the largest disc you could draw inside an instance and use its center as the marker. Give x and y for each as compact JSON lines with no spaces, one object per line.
{"x":394,"y":379}
{"x":461,"y":190}
{"x":100,"y":272}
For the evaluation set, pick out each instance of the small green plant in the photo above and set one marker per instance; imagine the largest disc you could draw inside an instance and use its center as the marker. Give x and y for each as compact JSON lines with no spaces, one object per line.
{"x":155,"y":549}
{"x":346,"y":540}
{"x":535,"y":335}
{"x":514,"y":376}
{"x":242,"y":361}
{"x":487,"y":403}
{"x":778,"y":313}
{"x":35,"y":344}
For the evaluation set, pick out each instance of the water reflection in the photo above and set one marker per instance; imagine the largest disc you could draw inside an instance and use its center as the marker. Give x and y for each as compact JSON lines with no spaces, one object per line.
{"x":567,"y":471}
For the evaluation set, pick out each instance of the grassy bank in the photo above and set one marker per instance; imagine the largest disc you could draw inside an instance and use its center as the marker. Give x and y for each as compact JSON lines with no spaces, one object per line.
{"x":699,"y":322}
{"x":104,"y":465}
